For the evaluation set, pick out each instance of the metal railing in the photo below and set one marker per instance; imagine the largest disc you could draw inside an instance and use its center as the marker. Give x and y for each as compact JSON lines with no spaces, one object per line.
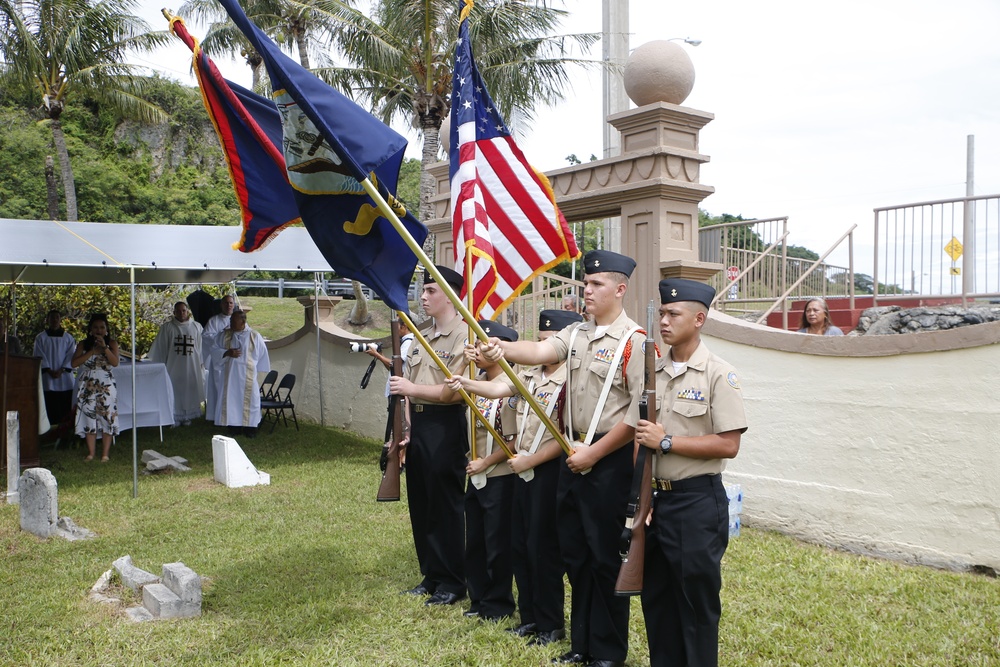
{"x":760,"y":274}
{"x":811,"y":272}
{"x":546,"y":292}
{"x":947,"y":247}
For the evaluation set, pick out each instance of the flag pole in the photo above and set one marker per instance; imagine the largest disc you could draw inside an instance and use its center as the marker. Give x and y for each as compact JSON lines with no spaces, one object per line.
{"x":472,"y":365}
{"x":394,"y":220}
{"x":448,"y":374}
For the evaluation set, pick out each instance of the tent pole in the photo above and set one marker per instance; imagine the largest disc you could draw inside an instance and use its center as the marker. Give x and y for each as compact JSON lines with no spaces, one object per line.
{"x":135,"y":430}
{"x":319,"y":354}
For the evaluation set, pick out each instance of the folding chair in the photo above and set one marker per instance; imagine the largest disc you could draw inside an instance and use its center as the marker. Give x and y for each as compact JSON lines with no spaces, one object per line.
{"x":279,"y":402}
{"x":267,"y":386}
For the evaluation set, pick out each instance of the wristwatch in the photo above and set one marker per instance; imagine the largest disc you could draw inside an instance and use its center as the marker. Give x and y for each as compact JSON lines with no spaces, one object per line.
{"x":666,"y":444}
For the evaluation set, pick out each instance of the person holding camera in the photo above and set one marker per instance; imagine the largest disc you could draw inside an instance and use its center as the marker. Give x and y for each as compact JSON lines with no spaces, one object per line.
{"x":97,"y":396}
{"x":373,"y":350}
{"x":435,"y":455}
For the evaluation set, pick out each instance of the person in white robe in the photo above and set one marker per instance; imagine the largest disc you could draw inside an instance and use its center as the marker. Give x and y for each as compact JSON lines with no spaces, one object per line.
{"x":241,"y":353}
{"x":178,"y":344}
{"x":55,"y":346}
{"x":216,"y":325}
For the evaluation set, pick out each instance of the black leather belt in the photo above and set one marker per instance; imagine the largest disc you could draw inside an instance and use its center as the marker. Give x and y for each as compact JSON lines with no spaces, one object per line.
{"x":701,"y":481}
{"x":433,"y":407}
{"x":581,"y":436}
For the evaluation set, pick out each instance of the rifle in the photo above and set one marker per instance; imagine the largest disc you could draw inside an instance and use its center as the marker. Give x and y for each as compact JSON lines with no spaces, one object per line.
{"x":388,"y":489}
{"x":633,"y":540}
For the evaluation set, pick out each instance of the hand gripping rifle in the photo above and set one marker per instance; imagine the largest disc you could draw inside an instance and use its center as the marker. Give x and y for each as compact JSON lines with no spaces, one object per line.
{"x":633,"y":540}
{"x":388,"y":489}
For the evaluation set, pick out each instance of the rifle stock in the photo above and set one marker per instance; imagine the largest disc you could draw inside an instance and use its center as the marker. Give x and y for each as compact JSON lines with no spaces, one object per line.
{"x":388,"y":489}
{"x":633,"y":548}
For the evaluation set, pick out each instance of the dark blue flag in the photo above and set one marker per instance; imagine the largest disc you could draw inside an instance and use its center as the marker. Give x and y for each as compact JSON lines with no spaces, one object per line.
{"x":330,"y":144}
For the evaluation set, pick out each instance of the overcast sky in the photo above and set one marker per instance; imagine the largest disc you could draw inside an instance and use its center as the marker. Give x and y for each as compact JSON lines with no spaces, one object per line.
{"x":823,"y":111}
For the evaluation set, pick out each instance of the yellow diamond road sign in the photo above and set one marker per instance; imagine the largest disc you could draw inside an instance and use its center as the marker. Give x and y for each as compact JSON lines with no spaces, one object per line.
{"x":954,"y":249}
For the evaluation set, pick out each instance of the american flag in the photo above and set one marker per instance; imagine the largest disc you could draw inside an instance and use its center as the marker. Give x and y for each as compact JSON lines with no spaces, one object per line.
{"x":503,"y":211}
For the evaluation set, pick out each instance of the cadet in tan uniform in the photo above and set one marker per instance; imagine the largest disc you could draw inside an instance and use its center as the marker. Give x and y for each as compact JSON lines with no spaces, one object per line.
{"x":701,"y":419}
{"x":538,"y":567}
{"x":594,"y":483}
{"x":488,"y":497}
{"x":435,"y":455}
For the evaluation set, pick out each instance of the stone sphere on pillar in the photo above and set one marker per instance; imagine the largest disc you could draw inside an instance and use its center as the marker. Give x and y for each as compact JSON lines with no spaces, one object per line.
{"x":444,"y":135}
{"x":659,"y":71}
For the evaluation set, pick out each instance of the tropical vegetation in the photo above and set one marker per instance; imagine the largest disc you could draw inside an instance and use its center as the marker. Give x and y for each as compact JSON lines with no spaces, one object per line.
{"x":61,"y":52}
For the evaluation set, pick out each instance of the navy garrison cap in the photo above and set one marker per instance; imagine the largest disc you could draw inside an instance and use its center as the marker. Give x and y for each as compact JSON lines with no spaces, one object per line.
{"x":497,"y":330}
{"x":600,"y":261}
{"x":451,"y":276}
{"x":557,"y":320}
{"x":681,"y":289}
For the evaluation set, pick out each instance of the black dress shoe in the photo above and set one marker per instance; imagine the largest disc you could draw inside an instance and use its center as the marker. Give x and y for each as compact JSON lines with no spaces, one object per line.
{"x":572,"y":658}
{"x":419,"y":589}
{"x":523,"y":630}
{"x":546,"y":637}
{"x":443,"y":598}
{"x":471,"y":613}
{"x":607,"y":663}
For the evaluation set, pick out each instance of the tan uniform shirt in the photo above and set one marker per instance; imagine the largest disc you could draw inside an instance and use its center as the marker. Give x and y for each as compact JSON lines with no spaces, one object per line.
{"x":449,"y":345}
{"x":590,"y":363}
{"x":704,"y":398}
{"x":546,"y":392}
{"x":508,"y":428}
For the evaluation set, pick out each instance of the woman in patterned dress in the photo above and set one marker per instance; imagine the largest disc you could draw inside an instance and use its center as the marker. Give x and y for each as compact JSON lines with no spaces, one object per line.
{"x":97,"y":395}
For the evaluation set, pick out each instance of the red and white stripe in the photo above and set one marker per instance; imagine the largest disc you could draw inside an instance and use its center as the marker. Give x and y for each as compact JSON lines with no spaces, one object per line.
{"x":504,"y":212}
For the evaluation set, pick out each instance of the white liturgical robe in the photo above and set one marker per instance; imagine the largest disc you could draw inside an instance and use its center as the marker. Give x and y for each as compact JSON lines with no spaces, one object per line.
{"x":57,"y":354}
{"x":178,"y":345}
{"x":216,"y":325}
{"x":239,"y":392}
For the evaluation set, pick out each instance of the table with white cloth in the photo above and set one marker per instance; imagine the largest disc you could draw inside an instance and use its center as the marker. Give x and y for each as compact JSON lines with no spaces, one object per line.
{"x":154,"y":395}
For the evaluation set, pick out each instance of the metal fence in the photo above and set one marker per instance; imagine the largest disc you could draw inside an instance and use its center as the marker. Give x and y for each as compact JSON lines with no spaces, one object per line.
{"x":948,"y":247}
{"x":759,"y":270}
{"x":546,"y":292}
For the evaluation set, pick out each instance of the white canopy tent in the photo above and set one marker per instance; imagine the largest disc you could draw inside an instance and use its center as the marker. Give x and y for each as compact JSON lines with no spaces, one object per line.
{"x":44,"y":252}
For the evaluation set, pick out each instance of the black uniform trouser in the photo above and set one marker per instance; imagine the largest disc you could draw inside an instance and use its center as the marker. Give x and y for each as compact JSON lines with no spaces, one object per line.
{"x":435,"y":488}
{"x":682,"y":576}
{"x":488,"y":568}
{"x":591,"y":512}
{"x":538,"y":566}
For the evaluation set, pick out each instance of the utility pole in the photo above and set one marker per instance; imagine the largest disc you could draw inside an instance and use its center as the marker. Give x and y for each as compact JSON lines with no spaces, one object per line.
{"x":969,"y":221}
{"x":614,"y":50}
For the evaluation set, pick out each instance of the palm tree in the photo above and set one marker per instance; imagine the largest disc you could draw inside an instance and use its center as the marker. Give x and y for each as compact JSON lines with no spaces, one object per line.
{"x":401,"y":62}
{"x":293,"y":24}
{"x":63,"y":50}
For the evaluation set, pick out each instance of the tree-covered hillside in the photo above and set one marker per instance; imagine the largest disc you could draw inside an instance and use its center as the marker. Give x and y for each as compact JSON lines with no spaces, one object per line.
{"x":168,"y":173}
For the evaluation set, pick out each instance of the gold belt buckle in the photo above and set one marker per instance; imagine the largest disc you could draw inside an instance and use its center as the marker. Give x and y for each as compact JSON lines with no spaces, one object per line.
{"x":661,"y":484}
{"x":417,"y":407}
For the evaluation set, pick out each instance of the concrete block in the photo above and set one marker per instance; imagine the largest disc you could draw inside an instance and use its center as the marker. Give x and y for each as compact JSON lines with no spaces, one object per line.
{"x":183,"y":581}
{"x":232,"y":467}
{"x":39,"y":498}
{"x":139,"y":614}
{"x":161,"y":601}
{"x":132,"y":576}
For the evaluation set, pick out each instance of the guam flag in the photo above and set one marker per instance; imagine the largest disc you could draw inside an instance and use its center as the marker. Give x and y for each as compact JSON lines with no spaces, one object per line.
{"x":303,"y":157}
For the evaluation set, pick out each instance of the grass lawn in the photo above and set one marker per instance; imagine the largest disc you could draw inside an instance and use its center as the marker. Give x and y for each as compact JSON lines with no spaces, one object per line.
{"x":307,"y":571}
